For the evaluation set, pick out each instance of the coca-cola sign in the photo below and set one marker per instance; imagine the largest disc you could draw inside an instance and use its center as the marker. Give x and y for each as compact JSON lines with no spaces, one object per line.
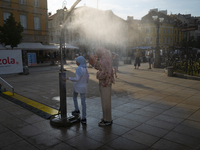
{"x":10,"y":61}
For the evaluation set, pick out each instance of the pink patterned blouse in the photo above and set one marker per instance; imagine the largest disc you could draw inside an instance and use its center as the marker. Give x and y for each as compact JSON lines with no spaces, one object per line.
{"x":105,"y":79}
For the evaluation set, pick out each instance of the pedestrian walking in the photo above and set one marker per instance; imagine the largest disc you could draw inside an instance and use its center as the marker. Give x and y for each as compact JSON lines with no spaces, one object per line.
{"x":137,"y":59}
{"x":80,"y":86}
{"x":106,"y":79}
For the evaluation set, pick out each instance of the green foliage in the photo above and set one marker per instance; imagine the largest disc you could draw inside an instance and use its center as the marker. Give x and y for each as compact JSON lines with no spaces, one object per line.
{"x":10,"y":32}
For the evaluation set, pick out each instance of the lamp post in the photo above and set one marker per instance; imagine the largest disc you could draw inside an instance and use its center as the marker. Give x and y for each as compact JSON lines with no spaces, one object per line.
{"x":157,"y":61}
{"x":63,"y":119}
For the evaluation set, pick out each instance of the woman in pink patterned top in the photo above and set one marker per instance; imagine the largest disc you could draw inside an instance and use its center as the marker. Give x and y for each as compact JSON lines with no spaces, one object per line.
{"x":106,"y":79}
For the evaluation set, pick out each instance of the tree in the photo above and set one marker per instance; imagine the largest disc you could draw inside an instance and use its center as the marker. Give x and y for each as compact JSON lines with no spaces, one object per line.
{"x":10,"y":32}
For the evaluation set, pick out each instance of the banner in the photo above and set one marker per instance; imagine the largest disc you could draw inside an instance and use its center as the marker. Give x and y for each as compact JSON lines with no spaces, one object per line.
{"x":10,"y":61}
{"x":32,"y":60}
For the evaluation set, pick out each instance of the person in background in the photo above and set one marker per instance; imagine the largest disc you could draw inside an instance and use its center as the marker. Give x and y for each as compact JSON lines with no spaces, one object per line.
{"x":115,"y":63}
{"x":106,"y":79}
{"x":149,"y":56}
{"x":137,"y":59}
{"x":80,"y":86}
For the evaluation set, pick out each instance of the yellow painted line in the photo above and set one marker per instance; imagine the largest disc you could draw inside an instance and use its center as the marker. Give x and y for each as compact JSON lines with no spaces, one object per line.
{"x":30,"y":102}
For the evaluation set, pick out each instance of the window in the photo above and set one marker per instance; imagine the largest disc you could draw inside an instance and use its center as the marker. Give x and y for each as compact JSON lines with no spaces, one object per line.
{"x":147,"y":40}
{"x":167,"y":40}
{"x":36,"y":3}
{"x":5,"y":15}
{"x":147,"y":30}
{"x":36,"y":23}
{"x":167,"y":31}
{"x":171,"y":40}
{"x":164,"y":30}
{"x":23,"y":21}
{"x":171,"y":31}
{"x":163,"y":39}
{"x":22,"y":2}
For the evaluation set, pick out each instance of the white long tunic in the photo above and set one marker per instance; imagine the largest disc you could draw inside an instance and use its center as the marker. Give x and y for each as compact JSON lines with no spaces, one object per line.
{"x":80,"y":82}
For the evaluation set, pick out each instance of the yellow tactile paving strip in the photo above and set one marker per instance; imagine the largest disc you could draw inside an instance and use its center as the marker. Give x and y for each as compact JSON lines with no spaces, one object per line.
{"x":32,"y":103}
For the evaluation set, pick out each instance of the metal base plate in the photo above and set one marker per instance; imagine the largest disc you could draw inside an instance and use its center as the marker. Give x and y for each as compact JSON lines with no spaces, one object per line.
{"x":64,"y":122}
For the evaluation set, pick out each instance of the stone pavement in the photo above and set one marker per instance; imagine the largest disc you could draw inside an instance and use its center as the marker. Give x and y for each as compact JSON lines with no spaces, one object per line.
{"x":150,"y":111}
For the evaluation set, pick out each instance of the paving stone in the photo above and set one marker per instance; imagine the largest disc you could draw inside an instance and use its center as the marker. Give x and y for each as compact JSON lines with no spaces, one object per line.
{"x":61,"y":146}
{"x":63,"y":133}
{"x":43,"y":140}
{"x":115,"y":129}
{"x":141,"y":137}
{"x":8,"y":138}
{"x":161,"y":124}
{"x":15,"y":123}
{"x":101,"y":135}
{"x":155,"y":131}
{"x":84,"y":143}
{"x":191,"y":123}
{"x":171,"y":119}
{"x":105,"y":148}
{"x":127,"y":123}
{"x":125,"y":144}
{"x":27,"y":131}
{"x":20,"y":145}
{"x":183,"y":139}
{"x":145,"y":113}
{"x":3,"y":129}
{"x":168,"y":145}
{"x":190,"y":131}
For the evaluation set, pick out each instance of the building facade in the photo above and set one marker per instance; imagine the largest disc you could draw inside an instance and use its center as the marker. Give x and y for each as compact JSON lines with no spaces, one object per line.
{"x":33,"y":16}
{"x":148,"y":30}
{"x":187,"y":21}
{"x":88,"y":28}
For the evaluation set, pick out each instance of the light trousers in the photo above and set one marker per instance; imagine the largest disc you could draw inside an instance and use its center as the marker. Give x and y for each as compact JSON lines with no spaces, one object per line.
{"x":105,"y":93}
{"x":83,"y":104}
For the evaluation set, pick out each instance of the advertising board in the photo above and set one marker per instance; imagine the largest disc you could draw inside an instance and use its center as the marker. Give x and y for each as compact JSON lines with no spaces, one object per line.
{"x":10,"y":61}
{"x":32,"y":60}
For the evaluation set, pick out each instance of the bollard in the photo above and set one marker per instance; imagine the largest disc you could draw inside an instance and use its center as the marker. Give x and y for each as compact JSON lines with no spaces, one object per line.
{"x":0,"y":89}
{"x":170,"y":71}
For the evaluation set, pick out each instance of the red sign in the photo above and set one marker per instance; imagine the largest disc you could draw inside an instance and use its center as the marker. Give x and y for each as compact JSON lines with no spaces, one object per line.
{"x":190,"y":28}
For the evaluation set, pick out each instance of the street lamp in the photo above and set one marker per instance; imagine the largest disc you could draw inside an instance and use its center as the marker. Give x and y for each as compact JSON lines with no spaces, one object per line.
{"x":158,"y":22}
{"x":63,"y":119}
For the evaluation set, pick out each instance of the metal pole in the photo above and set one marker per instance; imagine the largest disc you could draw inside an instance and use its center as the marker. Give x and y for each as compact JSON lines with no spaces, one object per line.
{"x":157,"y":52}
{"x":56,"y":119}
{"x":62,"y":84}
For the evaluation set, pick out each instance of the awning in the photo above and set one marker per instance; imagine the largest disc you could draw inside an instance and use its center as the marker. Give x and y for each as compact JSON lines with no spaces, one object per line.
{"x":68,"y":46}
{"x":39,"y":46}
{"x":28,"y":46}
{"x":51,"y":47}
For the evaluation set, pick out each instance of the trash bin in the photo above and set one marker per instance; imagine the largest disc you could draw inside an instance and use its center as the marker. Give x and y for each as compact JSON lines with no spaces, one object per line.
{"x":25,"y":70}
{"x":170,"y":71}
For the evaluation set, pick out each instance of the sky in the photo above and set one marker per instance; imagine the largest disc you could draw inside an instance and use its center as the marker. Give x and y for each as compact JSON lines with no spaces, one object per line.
{"x":135,"y":8}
